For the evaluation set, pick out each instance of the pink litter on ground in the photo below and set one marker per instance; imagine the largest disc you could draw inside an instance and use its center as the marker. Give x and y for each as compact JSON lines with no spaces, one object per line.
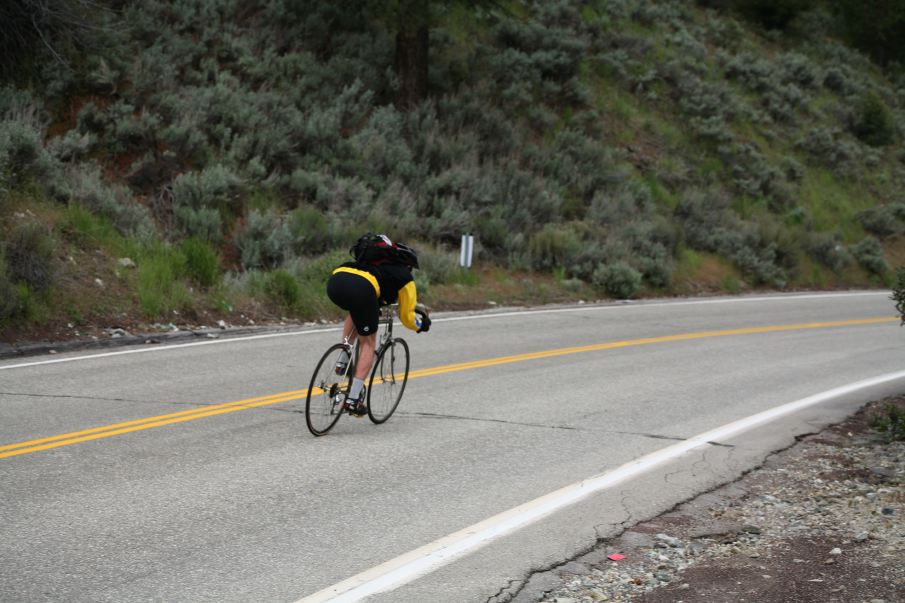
{"x":615,"y":557}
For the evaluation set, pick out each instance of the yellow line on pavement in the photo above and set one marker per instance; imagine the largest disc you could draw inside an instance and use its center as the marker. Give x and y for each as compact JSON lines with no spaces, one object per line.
{"x":462,"y":366}
{"x":65,"y":439}
{"x":145,"y":423}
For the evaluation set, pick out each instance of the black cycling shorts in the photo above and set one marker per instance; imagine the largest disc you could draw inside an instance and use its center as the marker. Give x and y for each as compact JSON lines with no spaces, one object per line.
{"x":356,"y":295}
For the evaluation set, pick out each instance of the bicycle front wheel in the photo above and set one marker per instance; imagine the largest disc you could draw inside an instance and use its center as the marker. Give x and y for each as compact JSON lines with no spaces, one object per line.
{"x":388,"y":379}
{"x":327,"y":392}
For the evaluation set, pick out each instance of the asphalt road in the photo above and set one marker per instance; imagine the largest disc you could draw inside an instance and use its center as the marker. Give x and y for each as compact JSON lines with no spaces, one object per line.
{"x":130,"y":477}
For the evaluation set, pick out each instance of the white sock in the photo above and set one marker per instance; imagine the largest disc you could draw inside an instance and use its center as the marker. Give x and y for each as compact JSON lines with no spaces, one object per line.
{"x":357,"y":386}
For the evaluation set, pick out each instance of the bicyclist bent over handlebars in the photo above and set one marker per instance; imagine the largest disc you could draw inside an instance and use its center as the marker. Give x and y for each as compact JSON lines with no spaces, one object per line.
{"x":380,"y":275}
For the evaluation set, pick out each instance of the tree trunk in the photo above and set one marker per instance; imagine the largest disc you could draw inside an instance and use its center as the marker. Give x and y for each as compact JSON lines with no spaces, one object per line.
{"x":412,"y":41}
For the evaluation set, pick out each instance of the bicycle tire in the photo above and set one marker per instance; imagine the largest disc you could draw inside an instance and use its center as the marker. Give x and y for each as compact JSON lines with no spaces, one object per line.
{"x":388,"y":380}
{"x":326,"y":395}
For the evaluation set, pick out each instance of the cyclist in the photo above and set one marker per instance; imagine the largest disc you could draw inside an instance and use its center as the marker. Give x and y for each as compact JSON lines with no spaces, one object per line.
{"x":380,"y":275}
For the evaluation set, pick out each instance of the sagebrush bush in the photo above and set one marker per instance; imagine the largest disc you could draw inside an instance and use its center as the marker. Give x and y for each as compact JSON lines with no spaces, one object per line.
{"x":265,"y":241}
{"x":874,"y":123}
{"x":753,"y":174}
{"x":23,"y":157}
{"x":10,"y":304}
{"x":439,"y":265}
{"x":204,"y":223}
{"x":311,"y":231}
{"x":203,"y":200}
{"x":830,"y":147}
{"x":869,"y":253}
{"x":883,"y":220}
{"x":112,"y":201}
{"x":554,"y":246}
{"x":30,"y":256}
{"x":538,"y":56}
{"x":711,"y":226}
{"x":318,"y":269}
{"x":827,"y":249}
{"x":618,"y":280}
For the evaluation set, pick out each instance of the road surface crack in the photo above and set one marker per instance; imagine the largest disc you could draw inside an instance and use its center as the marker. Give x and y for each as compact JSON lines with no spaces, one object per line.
{"x":430,"y":415}
{"x":65,"y":397}
{"x":506,"y":593}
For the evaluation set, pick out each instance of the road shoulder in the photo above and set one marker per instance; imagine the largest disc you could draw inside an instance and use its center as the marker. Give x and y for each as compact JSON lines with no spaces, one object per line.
{"x":819,"y":521}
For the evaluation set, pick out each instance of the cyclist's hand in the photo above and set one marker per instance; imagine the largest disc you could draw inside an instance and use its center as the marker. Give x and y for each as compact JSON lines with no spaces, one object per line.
{"x":425,"y":322}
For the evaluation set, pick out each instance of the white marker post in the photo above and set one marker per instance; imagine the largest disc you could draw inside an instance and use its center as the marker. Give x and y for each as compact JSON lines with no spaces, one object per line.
{"x":467,"y":251}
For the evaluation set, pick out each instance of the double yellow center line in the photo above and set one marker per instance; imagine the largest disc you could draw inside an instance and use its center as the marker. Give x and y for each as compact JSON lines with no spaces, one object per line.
{"x":66,"y":439}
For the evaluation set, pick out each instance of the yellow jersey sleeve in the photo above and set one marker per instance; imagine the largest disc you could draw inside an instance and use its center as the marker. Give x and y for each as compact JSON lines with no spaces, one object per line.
{"x":408,"y":297}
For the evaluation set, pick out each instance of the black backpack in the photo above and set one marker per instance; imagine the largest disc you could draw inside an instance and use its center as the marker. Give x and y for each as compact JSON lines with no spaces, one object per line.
{"x":374,"y":249}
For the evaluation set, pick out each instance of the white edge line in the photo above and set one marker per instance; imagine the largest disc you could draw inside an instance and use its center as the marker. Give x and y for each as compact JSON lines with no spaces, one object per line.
{"x":419,"y":562}
{"x":582,"y":308}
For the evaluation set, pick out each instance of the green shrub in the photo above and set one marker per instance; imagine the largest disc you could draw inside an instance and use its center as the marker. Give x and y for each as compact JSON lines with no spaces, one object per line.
{"x":203,"y":223}
{"x":159,"y":289}
{"x":890,"y":423}
{"x":265,"y":241}
{"x":830,"y":147}
{"x":311,"y":231}
{"x":869,"y":253}
{"x":30,"y":257}
{"x":711,"y":226}
{"x":422,"y":283}
{"x":23,"y":157}
{"x":202,"y":263}
{"x":898,"y":293}
{"x":283,"y":288}
{"x":554,"y":246}
{"x":828,"y":250}
{"x":318,"y":270}
{"x":883,"y":220}
{"x":440,"y":266}
{"x":202,"y":201}
{"x":656,"y":270}
{"x":618,"y":280}
{"x":87,"y":228}
{"x":33,"y":306}
{"x":874,"y":123}
{"x":10,"y":304}
{"x":112,"y":201}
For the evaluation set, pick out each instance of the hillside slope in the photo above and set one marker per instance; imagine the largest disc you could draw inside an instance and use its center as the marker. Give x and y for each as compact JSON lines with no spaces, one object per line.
{"x":207,"y":160}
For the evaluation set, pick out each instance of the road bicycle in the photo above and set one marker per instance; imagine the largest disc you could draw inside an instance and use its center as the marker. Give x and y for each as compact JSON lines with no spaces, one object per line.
{"x":327,"y":398}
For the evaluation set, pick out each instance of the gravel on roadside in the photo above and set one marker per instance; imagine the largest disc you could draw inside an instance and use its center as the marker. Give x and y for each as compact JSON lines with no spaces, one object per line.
{"x":822,"y":521}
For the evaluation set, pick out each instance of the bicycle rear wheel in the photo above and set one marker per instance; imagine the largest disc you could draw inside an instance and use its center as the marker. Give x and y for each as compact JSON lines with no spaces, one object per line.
{"x":388,"y":379}
{"x":327,"y":392}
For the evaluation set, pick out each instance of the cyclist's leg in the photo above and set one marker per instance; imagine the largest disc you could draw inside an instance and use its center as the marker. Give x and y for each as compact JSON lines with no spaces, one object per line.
{"x":349,"y":331}
{"x":357,"y":295}
{"x":366,"y":347}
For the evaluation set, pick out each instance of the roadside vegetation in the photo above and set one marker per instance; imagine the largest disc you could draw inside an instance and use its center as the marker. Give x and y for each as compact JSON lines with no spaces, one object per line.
{"x":194,"y":160}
